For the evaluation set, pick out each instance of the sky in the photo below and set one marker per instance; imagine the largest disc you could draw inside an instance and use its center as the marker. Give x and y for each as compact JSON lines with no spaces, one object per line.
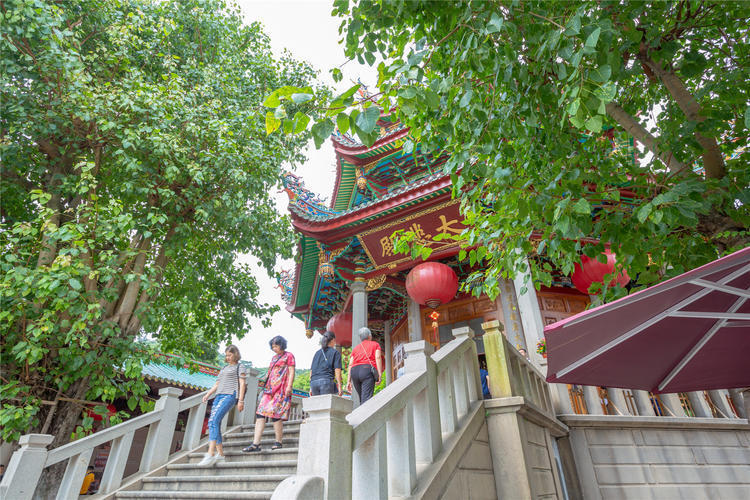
{"x":310,"y":33}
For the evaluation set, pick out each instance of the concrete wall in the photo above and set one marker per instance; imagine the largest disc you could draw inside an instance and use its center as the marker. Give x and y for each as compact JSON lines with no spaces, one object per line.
{"x":643,"y":458}
{"x":473,"y":478}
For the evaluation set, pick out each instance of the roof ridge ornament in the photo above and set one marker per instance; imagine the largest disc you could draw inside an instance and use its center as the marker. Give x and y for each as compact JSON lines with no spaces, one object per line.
{"x":302,"y":198}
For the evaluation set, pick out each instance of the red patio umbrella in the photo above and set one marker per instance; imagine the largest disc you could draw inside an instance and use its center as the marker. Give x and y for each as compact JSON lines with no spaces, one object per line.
{"x":689,"y":333}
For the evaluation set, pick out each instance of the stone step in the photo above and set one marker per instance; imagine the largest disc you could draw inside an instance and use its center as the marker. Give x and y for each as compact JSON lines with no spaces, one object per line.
{"x":204,"y":495}
{"x":211,"y":484}
{"x":289,"y":424}
{"x":235,"y":455}
{"x":238,"y":444}
{"x":225,"y":468}
{"x":267,"y":433}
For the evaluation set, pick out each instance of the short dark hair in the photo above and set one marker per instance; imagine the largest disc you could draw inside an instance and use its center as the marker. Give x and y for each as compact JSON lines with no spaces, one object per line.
{"x":234,"y":350}
{"x":327,"y":337}
{"x":279,"y":341}
{"x":90,"y":467}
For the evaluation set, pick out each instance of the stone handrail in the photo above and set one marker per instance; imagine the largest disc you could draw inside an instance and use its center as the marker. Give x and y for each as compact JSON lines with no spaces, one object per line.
{"x":28,"y":463}
{"x":510,"y":373}
{"x":374,"y":451}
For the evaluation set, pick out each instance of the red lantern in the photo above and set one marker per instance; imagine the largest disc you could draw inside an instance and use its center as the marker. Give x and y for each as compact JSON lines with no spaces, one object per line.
{"x":432,"y":284}
{"x":591,"y":271}
{"x":341,"y":325}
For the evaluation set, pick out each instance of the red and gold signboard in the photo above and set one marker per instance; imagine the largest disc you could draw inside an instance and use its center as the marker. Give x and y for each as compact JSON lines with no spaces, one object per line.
{"x":440,"y":219}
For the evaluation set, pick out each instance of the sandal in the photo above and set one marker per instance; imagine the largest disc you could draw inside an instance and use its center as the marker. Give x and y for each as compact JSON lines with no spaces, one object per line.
{"x":276,"y":445}
{"x":251,"y":449}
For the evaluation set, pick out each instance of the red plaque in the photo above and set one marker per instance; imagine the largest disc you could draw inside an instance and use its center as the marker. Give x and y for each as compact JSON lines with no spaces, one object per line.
{"x":440,"y":219}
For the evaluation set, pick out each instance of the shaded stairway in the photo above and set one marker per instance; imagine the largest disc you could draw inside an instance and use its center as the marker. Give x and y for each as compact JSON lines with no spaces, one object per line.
{"x":242,"y":475}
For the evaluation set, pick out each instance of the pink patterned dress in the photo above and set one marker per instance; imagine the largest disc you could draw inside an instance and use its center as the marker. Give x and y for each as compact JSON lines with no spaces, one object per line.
{"x":274,"y":403}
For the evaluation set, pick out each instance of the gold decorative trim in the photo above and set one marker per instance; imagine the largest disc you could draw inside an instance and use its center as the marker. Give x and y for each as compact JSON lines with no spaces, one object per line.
{"x":375,"y":283}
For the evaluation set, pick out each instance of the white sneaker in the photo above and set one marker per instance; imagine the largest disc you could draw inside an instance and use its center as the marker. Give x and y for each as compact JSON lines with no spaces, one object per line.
{"x":207,"y":460}
{"x":219,"y":458}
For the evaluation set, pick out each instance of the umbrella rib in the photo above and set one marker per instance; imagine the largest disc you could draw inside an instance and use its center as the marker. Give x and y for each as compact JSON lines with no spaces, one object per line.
{"x":655,"y":319}
{"x":722,"y":288}
{"x":697,"y":347}
{"x":710,"y":315}
{"x":661,"y":289}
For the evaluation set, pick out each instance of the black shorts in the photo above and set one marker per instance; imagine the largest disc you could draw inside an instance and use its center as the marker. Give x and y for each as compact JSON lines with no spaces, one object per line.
{"x":267,"y":419}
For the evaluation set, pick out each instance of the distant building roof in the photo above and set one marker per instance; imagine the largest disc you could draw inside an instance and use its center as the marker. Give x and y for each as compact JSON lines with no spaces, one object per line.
{"x":202,"y":379}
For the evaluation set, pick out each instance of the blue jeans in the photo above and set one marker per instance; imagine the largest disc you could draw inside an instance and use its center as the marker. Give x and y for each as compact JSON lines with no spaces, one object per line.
{"x":322,"y":386}
{"x":222,"y":404}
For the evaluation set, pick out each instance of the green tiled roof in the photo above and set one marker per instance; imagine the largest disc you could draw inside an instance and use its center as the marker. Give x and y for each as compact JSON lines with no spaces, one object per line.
{"x":163,"y":372}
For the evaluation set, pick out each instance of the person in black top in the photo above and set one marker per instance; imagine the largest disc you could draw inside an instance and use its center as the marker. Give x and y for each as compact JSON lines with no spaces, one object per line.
{"x":325,"y":373}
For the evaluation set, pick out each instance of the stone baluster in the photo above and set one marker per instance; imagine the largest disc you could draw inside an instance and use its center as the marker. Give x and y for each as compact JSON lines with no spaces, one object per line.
{"x":325,"y":444}
{"x":428,"y":440}
{"x":719,"y":397}
{"x":75,"y":472}
{"x":194,"y":426}
{"x":160,"y":433}
{"x":700,"y":405}
{"x":461,"y":391}
{"x":370,"y":469}
{"x":593,"y":401}
{"x":498,"y":366}
{"x":563,"y":405}
{"x":673,"y":405}
{"x":414,"y":320}
{"x":739,"y":401}
{"x":643,"y":403}
{"x":471,"y":363}
{"x":247,"y":415}
{"x":25,"y":467}
{"x":617,"y":398}
{"x":118,"y":458}
{"x":447,"y":402}
{"x":402,"y":464}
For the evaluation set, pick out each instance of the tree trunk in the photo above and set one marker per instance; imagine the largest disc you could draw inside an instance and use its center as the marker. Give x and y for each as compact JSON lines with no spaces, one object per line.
{"x":64,"y":423}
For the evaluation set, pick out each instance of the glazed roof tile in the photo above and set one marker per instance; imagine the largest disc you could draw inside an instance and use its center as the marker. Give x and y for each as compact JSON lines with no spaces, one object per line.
{"x":163,"y":372}
{"x":391,"y":194}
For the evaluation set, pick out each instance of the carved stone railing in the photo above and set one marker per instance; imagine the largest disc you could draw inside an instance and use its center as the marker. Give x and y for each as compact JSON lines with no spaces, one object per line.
{"x":377,"y":450}
{"x":28,"y":463}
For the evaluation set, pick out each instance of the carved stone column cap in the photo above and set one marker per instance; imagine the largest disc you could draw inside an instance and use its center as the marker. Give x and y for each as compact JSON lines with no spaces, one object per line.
{"x":329,"y":404}
{"x":463,"y":331}
{"x":419,"y":347}
{"x":36,"y":440}
{"x":171,"y":392}
{"x":358,"y":286}
{"x":492,"y":326}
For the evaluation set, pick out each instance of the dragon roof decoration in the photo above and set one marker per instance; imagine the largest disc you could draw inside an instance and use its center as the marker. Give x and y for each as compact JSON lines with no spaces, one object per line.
{"x":302,"y":199}
{"x":285,"y":281}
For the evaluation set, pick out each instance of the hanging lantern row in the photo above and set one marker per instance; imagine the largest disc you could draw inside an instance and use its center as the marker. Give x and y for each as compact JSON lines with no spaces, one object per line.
{"x":341,"y":325}
{"x":432,"y":284}
{"x":590,"y":271}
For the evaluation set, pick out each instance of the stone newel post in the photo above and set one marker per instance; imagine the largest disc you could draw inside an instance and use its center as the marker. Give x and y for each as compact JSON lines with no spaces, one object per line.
{"x":25,"y":467}
{"x":160,"y":433}
{"x":325,"y":444}
{"x":427,"y":434}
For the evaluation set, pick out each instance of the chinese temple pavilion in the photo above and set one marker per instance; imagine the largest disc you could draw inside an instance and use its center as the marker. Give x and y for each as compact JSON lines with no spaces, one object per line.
{"x":346,"y":261}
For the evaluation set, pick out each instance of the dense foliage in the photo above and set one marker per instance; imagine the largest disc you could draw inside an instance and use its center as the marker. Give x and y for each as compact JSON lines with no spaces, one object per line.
{"x":136,"y":168}
{"x":529,"y":99}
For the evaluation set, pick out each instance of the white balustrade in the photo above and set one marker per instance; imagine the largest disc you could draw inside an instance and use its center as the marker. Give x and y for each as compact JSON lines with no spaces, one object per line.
{"x":400,"y":427}
{"x":28,"y":463}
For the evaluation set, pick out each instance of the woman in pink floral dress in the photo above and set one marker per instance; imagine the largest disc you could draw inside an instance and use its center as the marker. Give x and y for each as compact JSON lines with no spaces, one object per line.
{"x":277,"y":395}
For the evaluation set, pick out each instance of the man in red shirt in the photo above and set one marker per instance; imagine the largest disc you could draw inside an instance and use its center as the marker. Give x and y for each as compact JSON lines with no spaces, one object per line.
{"x":365,"y":366}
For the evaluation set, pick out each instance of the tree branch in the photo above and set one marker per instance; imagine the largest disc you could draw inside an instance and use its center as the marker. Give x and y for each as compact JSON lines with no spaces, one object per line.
{"x":637,"y":130}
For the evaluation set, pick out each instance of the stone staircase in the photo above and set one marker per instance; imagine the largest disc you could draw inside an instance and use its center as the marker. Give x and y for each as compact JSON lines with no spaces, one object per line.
{"x":242,"y":475}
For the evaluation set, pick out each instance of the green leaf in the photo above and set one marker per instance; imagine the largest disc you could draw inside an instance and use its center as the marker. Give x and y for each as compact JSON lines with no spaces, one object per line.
{"x":367,"y":120}
{"x":644,"y":212}
{"x":593,"y":38}
{"x":466,"y":99}
{"x":322,"y":131}
{"x":300,"y":98}
{"x":132,"y":403}
{"x":573,"y":26}
{"x":747,"y":118}
{"x":336,"y":75}
{"x":594,"y":124}
{"x":582,"y":206}
{"x":75,"y":284}
{"x":601,"y":74}
{"x":272,"y":123}
{"x":342,"y":122}
{"x":300,"y":122}
{"x":433,"y":100}
{"x":573,"y":107}
{"x":272,"y":101}
{"x":495,"y":24}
